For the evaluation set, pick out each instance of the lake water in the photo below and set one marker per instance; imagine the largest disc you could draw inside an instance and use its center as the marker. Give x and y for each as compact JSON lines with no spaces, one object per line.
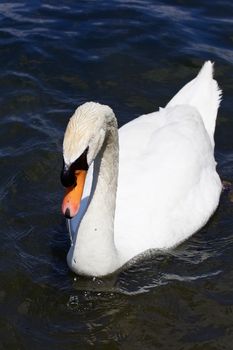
{"x":134,"y":56}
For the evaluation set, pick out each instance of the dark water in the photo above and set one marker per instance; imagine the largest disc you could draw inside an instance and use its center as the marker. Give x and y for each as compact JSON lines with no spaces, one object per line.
{"x":132,"y":55}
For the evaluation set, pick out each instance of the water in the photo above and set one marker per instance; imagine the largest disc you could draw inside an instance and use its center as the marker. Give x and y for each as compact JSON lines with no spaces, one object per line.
{"x":132,"y":55}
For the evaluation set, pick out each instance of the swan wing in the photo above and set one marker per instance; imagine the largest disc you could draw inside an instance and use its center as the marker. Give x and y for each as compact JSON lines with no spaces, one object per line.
{"x":168,"y":186}
{"x":203,"y":93}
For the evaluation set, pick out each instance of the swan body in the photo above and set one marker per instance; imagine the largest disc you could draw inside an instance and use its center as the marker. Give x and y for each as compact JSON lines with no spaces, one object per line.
{"x":157,"y":190}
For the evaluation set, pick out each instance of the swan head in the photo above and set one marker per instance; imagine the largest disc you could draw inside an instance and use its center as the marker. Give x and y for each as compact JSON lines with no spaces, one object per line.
{"x":83,"y":139}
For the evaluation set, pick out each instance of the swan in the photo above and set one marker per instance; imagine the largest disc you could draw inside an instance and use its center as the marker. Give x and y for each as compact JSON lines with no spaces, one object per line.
{"x":149,"y":185}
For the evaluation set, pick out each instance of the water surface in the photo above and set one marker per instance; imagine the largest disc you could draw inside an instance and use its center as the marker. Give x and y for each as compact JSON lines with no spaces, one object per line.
{"x":134,"y":56}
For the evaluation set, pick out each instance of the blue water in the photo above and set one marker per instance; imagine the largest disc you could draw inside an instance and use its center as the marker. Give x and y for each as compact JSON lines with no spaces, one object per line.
{"x":133,"y":56}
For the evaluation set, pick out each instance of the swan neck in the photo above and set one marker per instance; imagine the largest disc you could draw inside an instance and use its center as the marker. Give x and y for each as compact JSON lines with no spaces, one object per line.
{"x":105,"y":176}
{"x":95,"y":252}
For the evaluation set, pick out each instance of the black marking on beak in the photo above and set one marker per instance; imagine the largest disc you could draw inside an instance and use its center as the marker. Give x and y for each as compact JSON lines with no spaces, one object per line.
{"x":67,"y":213}
{"x":68,"y":178}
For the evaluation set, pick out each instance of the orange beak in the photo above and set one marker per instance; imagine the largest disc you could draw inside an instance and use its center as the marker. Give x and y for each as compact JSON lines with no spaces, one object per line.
{"x":73,"y":195}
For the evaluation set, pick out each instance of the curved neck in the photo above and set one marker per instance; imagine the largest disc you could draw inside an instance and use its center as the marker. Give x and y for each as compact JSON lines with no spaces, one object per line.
{"x":95,"y":252}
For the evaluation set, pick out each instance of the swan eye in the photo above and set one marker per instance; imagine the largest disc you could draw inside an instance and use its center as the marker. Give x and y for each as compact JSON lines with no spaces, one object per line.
{"x":68,"y":177}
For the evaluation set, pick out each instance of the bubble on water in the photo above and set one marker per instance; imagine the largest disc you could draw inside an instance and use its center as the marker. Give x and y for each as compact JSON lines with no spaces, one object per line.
{"x":73,"y":302}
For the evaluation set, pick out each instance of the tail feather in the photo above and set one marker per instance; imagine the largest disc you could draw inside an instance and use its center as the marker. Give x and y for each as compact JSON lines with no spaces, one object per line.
{"x":203,"y":93}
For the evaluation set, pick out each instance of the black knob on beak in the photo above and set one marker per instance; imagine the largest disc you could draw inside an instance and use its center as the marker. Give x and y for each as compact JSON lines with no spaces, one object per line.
{"x":67,"y":176}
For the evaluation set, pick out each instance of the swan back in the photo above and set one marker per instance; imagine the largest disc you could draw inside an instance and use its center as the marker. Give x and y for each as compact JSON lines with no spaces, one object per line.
{"x":204,"y":94}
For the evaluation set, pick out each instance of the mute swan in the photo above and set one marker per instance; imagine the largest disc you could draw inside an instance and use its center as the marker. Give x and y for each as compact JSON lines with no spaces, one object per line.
{"x":167,"y":187}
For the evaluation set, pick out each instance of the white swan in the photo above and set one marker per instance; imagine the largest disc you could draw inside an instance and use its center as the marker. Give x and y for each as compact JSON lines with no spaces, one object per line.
{"x":167,"y":187}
